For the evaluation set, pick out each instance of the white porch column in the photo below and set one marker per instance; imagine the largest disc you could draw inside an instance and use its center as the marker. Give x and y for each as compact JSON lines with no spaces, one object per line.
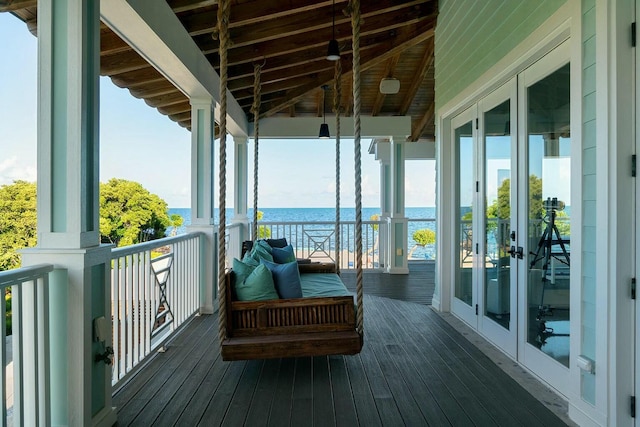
{"x":68,"y":210}
{"x":202,"y":136}
{"x":241,"y":188}
{"x":385,"y":213}
{"x":397,"y":222}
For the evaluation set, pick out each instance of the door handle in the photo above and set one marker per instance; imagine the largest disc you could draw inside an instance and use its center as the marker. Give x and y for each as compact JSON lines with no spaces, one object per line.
{"x":512,"y":251}
{"x":520,"y":252}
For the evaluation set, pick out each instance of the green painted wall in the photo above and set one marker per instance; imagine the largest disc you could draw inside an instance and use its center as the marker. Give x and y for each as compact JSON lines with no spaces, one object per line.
{"x":471,"y":36}
{"x":589,"y":220}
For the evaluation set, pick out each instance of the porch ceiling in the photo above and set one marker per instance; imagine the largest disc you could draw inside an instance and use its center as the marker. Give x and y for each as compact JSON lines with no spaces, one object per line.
{"x":290,"y":38}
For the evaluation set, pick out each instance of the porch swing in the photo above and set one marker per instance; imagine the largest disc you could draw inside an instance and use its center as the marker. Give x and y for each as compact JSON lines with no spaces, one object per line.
{"x":294,"y":327}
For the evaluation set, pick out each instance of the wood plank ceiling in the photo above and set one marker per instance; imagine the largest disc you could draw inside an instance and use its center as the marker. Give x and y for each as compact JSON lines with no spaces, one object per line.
{"x":289,"y":38}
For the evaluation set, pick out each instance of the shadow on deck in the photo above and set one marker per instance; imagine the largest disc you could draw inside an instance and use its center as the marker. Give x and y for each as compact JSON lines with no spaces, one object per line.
{"x":415,"y":369}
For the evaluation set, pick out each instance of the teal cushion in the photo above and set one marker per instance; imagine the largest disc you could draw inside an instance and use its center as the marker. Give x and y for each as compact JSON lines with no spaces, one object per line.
{"x":283,"y":255}
{"x":286,"y":278}
{"x":264,"y":244}
{"x":250,"y":260}
{"x":260,"y":252}
{"x":258,"y":286}
{"x":242,"y":270}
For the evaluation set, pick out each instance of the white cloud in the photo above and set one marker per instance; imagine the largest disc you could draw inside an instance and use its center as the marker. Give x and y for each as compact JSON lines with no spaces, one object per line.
{"x":12,"y":170}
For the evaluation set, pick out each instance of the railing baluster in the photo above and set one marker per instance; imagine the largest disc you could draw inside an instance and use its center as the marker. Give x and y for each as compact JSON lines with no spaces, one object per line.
{"x":18,"y":354}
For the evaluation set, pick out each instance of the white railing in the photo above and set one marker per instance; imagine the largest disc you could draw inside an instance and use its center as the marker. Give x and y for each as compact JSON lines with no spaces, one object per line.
{"x":317,"y":240}
{"x":233,"y":241}
{"x":154,"y":290}
{"x":25,"y":382}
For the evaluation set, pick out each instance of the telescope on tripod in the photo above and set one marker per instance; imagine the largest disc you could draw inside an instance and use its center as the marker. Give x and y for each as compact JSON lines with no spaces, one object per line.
{"x":545,"y":252}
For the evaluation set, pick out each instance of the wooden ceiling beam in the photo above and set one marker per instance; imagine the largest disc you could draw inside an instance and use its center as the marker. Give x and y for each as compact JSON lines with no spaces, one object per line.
{"x":111,"y":43}
{"x":121,"y":63}
{"x":273,"y":76}
{"x":248,"y":13}
{"x":180,"y":6}
{"x":13,"y":5}
{"x":426,"y":119}
{"x":421,"y":72}
{"x":166,"y":99}
{"x":388,"y":72}
{"x":152,"y":89}
{"x":137,"y":77}
{"x":406,"y":38}
{"x":380,"y":25}
{"x":317,"y":21}
{"x":182,"y":107}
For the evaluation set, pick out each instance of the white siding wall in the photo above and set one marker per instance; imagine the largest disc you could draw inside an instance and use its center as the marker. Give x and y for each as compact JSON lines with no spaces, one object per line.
{"x":588,"y":303}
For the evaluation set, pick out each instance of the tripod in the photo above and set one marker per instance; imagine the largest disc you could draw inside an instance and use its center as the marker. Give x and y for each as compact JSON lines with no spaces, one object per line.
{"x":544,"y":253}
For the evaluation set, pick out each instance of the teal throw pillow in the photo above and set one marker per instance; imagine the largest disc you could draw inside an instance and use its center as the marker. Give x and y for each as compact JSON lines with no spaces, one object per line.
{"x":260,"y":252}
{"x":286,"y":278}
{"x":283,"y":255}
{"x":250,"y":260}
{"x":242,"y":270}
{"x":264,"y":244}
{"x":258,"y":286}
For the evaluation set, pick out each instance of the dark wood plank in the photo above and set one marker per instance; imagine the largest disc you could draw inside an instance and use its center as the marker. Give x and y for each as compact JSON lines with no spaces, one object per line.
{"x":362,"y":395}
{"x":264,"y":395}
{"x":344,"y":407}
{"x":280,"y":414}
{"x":322,"y":396}
{"x":220,"y":400}
{"x":302,"y":403}
{"x":240,"y":403}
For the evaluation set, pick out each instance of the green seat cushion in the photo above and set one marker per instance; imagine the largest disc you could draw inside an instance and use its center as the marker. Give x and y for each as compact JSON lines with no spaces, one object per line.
{"x":322,"y":285}
{"x":242,"y":269}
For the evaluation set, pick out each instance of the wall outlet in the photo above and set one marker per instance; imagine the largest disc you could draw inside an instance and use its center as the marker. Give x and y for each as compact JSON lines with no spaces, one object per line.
{"x":399,"y":252}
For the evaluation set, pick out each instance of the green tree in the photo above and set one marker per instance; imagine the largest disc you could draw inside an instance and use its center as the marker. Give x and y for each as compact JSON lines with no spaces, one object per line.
{"x":17,"y":221}
{"x":176,"y":222}
{"x":422,"y":237}
{"x":130,"y":214}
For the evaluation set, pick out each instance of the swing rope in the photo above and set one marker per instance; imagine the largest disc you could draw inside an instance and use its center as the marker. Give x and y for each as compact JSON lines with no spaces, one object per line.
{"x":223,"y":33}
{"x":255,"y":109}
{"x":337,"y":96}
{"x":354,"y":9}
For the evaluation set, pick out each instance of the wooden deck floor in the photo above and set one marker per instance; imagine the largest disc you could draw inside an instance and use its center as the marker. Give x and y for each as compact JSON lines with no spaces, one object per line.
{"x":415,"y":369}
{"x":417,"y":286}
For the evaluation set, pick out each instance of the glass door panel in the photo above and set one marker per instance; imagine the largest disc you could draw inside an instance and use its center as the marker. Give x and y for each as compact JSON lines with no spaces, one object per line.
{"x":464,"y":144}
{"x":549,"y":211}
{"x":497,"y":214}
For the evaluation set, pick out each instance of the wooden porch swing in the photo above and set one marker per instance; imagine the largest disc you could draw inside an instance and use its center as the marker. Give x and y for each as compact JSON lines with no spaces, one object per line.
{"x":295,"y":327}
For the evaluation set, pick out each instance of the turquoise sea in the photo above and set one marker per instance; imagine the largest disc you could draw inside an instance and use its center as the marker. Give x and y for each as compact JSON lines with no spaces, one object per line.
{"x":328,"y":215}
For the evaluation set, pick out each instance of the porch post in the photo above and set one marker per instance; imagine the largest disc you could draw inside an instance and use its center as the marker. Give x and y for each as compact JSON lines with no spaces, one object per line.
{"x":68,"y":210}
{"x":202,"y":135}
{"x":241,"y":188}
{"x":397,"y":222}
{"x":385,"y":213}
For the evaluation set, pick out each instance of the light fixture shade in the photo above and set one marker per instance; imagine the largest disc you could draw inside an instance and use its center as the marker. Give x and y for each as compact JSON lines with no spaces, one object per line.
{"x":324,"y":131}
{"x":333,"y":52}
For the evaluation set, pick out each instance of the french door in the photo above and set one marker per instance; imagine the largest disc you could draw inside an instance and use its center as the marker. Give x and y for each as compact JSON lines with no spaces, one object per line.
{"x":486,"y":165}
{"x":511,"y":153}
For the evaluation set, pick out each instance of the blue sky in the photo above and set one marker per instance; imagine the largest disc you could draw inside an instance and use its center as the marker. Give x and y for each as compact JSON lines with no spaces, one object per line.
{"x":140,"y":144}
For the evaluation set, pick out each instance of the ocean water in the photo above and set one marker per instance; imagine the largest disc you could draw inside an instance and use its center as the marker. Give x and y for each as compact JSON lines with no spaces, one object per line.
{"x":328,"y":215}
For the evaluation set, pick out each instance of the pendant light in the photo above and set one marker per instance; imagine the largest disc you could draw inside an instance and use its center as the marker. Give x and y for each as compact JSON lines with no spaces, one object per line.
{"x":333,"y":52}
{"x":324,"y":127}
